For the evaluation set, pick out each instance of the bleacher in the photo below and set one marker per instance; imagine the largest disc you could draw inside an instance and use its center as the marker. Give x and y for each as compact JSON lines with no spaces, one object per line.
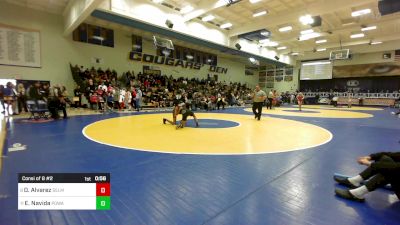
{"x":370,"y":99}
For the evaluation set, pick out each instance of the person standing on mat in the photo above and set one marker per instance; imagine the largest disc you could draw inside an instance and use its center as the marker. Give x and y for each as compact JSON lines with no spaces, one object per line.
{"x":270,"y":99}
{"x":300,"y":99}
{"x":259,"y":97}
{"x":348,"y":99}
{"x":383,"y":168}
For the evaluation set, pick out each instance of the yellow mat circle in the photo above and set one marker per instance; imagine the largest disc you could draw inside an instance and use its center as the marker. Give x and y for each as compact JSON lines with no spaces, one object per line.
{"x":318,"y":113}
{"x":146,"y":132}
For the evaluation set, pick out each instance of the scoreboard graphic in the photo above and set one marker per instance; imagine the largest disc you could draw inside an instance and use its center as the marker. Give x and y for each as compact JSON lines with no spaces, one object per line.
{"x":64,"y":191}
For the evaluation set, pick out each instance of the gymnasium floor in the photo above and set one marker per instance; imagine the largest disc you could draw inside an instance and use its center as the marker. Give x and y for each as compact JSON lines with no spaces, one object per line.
{"x":233,"y":170}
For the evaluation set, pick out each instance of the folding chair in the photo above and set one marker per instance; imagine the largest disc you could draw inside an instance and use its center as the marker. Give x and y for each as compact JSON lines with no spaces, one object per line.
{"x":37,"y":109}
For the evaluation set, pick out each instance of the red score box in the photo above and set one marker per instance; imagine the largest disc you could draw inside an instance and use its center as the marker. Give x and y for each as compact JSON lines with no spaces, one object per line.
{"x":103,"y":189}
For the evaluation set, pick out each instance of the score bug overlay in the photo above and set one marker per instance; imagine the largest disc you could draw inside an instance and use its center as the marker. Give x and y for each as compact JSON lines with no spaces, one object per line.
{"x":64,"y":191}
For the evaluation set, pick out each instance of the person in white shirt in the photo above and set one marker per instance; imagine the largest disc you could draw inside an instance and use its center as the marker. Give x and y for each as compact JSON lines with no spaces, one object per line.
{"x":259,"y":97}
{"x":121,"y":99}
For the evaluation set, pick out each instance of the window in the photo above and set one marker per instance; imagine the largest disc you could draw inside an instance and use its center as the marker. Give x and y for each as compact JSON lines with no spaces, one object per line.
{"x":94,"y":35}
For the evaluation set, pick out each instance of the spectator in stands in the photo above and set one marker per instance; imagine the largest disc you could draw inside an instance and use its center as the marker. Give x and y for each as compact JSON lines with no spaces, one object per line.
{"x":21,"y":96}
{"x":10,"y":97}
{"x":56,"y":102}
{"x":77,"y":97}
{"x":109,"y":101}
{"x":35,"y":93}
{"x":133,"y":97}
{"x":138,"y":98}
{"x":116,"y":94}
{"x":121,"y":98}
{"x":127,"y":99}
{"x":212,"y":102}
{"x":45,"y":91}
{"x":383,"y":168}
{"x":90,"y":90}
{"x":64,"y":95}
{"x":221,"y":101}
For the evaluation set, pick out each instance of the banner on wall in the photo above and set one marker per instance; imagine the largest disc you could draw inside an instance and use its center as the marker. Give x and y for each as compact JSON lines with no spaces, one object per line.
{"x":19,"y":46}
{"x":367,"y":70}
{"x":162,"y":60}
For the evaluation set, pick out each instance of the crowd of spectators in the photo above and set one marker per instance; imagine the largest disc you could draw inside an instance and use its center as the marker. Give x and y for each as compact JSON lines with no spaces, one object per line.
{"x":104,"y":90}
{"x":16,"y":98}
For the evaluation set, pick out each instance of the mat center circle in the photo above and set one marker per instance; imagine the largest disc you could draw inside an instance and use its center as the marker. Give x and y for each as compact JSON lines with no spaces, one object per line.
{"x":212,"y":123}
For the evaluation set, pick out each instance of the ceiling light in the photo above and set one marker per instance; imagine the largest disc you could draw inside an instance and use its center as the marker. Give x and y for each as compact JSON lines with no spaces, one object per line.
{"x":271,"y":44}
{"x":360,"y":12}
{"x":321,"y":49}
{"x":307,"y":19}
{"x":254,"y":1}
{"x":285,"y":29}
{"x":265,"y":33}
{"x":186,"y":9}
{"x":166,"y":52}
{"x":282,"y":48}
{"x":315,"y":63}
{"x":208,"y":18}
{"x":295,"y":53}
{"x":308,"y":36}
{"x":157,"y":1}
{"x":320,"y":41}
{"x":348,"y":24}
{"x":360,"y":35}
{"x":376,"y":42}
{"x":252,"y":60}
{"x":260,"y":13}
{"x":267,"y":42}
{"x":189,"y":56}
{"x":368,"y":28}
{"x":309,"y":31}
{"x":225,"y":25}
{"x":98,"y":38}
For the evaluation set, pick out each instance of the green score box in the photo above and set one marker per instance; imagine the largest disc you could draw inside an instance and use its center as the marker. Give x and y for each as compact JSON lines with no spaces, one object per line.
{"x":103,"y":203}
